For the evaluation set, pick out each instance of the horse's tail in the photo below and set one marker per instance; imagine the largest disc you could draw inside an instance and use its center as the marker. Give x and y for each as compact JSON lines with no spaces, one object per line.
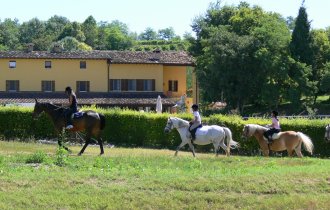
{"x":229,"y":139}
{"x":102,"y":118}
{"x":307,"y":142}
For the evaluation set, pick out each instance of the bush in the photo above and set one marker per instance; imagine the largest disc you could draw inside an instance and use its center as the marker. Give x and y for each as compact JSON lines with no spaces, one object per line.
{"x":136,"y":129}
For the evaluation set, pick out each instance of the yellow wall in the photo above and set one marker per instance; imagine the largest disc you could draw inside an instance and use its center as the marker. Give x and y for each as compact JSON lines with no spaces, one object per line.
{"x":175,"y":73}
{"x":65,"y":72}
{"x":30,"y":73}
{"x":138,"y":71}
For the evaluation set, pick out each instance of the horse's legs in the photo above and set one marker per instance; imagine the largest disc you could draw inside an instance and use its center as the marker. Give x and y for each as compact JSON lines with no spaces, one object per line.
{"x":298,"y":150}
{"x":192,"y":148}
{"x":290,"y":152}
{"x":88,"y":140}
{"x":266,"y":152}
{"x":224,"y":147}
{"x":179,"y":147}
{"x":99,"y":140}
{"x":61,"y":136}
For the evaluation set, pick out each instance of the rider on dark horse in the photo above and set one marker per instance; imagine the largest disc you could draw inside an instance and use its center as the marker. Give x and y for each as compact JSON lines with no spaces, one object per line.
{"x":72,"y":107}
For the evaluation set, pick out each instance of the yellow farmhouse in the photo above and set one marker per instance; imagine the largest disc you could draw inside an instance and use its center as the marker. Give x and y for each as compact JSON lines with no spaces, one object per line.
{"x":104,"y":78}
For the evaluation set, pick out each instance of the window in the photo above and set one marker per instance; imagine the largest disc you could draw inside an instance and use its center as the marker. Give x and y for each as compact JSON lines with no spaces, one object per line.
{"x":173,"y":85}
{"x":132,"y":85}
{"x":147,"y":85}
{"x":83,"y":86}
{"x":48,"y":86}
{"x":12,"y":85}
{"x":115,"y":84}
{"x":82,"y":64}
{"x":48,"y":64}
{"x":12,"y":64}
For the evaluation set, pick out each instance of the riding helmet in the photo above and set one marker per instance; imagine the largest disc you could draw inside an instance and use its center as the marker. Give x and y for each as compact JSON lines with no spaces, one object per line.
{"x":275,"y":113}
{"x":68,"y":89}
{"x":194,"y":106}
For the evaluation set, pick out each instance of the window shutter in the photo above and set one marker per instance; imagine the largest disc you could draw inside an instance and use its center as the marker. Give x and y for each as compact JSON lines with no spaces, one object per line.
{"x":124,"y":84}
{"x":170,"y":85}
{"x":153,"y":85}
{"x":17,"y":85}
{"x":111,"y":84}
{"x":176,"y":86}
{"x":139,"y":84}
{"x":7,"y":85}
{"x":88,"y":86}
{"x":78,"y":86}
{"x":53,"y":85}
{"x":43,"y":84}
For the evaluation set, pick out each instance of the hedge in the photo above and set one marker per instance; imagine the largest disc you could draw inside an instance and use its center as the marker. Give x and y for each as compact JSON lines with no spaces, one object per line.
{"x":137,"y":129}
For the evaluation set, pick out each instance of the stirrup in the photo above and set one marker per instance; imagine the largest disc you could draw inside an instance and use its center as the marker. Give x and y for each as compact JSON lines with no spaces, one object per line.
{"x":69,"y":127}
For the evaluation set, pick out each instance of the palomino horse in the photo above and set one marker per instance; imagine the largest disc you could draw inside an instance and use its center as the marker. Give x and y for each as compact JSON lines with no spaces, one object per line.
{"x":90,"y":122}
{"x":213,"y":134}
{"x":288,"y":140}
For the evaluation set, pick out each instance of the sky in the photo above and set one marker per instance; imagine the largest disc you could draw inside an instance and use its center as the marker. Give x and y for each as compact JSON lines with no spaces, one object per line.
{"x":157,"y":14}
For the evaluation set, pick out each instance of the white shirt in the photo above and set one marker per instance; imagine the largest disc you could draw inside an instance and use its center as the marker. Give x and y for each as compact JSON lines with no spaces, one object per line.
{"x":196,"y":115}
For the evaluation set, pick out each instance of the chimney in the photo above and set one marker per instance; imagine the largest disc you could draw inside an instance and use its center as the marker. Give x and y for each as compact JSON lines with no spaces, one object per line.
{"x":29,"y":47}
{"x":57,"y":48}
{"x":155,"y":55}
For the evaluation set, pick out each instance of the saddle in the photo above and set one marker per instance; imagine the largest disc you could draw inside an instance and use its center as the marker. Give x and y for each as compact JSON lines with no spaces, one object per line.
{"x":274,"y":136}
{"x":77,"y":115}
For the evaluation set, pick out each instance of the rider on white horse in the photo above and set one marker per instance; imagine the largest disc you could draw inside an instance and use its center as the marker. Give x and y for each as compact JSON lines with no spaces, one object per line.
{"x":195,"y":123}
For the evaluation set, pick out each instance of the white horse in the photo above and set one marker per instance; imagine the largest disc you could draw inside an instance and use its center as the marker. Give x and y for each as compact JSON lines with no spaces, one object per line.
{"x":327,"y":133}
{"x":213,"y":134}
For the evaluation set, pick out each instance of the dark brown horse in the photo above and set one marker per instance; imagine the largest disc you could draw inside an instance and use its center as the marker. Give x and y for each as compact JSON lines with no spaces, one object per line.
{"x":91,"y":122}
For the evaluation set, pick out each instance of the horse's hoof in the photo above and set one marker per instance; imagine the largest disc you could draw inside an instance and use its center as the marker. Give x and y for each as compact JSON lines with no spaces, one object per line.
{"x":101,"y":154}
{"x":79,"y":154}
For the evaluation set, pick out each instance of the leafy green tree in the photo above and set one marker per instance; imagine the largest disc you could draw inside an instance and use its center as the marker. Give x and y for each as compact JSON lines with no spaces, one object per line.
{"x":55,"y":26}
{"x":320,"y":46}
{"x":34,"y":31}
{"x":166,"y":33}
{"x":9,"y":34}
{"x":242,"y":54}
{"x":72,"y":44}
{"x":300,"y":45}
{"x":89,"y":27}
{"x":148,"y":34}
{"x":73,"y":30}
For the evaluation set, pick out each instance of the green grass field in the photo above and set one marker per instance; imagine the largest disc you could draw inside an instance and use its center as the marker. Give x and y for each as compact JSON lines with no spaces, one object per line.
{"x":36,"y":176}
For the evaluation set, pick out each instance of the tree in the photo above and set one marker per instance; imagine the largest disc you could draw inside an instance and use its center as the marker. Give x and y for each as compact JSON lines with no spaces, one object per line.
{"x":34,"y":31}
{"x":300,"y":45}
{"x":73,"y":30}
{"x":166,"y":33}
{"x":148,"y":34}
{"x":55,"y":26}
{"x":242,"y":54}
{"x":9,"y":34}
{"x":89,"y":28}
{"x":320,"y":46}
{"x":72,"y":44}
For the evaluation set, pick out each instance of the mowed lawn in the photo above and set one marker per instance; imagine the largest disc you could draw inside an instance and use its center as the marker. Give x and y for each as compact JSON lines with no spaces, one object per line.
{"x":38,"y":176}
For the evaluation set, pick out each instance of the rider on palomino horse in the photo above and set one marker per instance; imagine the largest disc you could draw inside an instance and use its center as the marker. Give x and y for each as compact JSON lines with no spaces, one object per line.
{"x":274,"y":127}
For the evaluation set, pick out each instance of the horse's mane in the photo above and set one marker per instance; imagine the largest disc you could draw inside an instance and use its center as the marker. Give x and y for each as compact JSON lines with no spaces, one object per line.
{"x":185,"y":122}
{"x":254,"y":127}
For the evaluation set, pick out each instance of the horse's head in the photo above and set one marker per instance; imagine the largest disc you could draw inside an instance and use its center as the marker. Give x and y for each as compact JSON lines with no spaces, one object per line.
{"x":249,"y":130}
{"x":169,"y":125}
{"x":246,"y":131}
{"x":327,"y":133}
{"x":38,"y":109}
